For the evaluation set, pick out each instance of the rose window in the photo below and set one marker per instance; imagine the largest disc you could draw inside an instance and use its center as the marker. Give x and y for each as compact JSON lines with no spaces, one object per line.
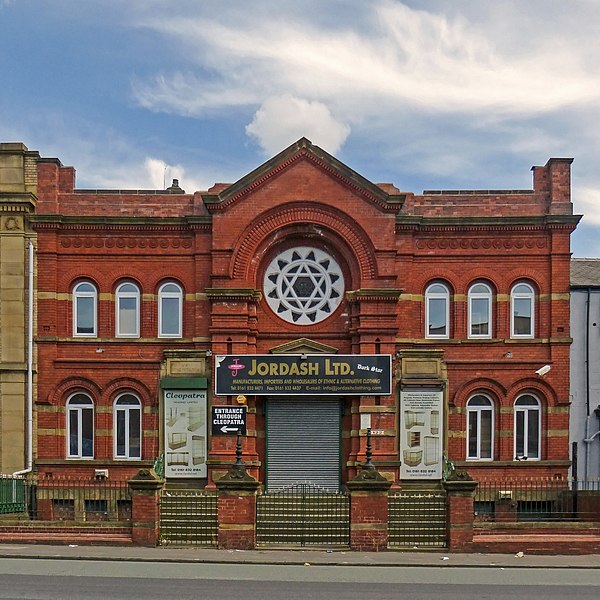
{"x":303,"y":285}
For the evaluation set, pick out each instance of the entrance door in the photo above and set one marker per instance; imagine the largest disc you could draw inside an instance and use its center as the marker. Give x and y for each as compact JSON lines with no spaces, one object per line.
{"x":303,"y":442}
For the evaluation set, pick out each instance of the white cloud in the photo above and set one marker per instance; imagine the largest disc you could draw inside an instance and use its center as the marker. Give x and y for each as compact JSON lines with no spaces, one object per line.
{"x":283,"y":119}
{"x":586,"y":201}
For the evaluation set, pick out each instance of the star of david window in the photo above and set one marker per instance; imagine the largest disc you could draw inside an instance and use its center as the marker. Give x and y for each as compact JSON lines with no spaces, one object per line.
{"x":303,"y":285}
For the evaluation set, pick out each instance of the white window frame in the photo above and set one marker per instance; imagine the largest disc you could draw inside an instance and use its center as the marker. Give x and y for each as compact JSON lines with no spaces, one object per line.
{"x":127,"y":409}
{"x":477,"y":410}
{"x":169,"y":295}
{"x":487,"y":295}
{"x":529,"y":295}
{"x":525,"y":408}
{"x":77,"y":406}
{"x":433,"y":295}
{"x":77,"y":295}
{"x":123,"y":295}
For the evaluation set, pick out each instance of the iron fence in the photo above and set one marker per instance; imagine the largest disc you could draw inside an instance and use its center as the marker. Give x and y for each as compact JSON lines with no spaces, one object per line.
{"x":188,"y":517}
{"x":65,"y":499}
{"x":303,"y":514}
{"x":417,"y":519}
{"x":536,"y":499}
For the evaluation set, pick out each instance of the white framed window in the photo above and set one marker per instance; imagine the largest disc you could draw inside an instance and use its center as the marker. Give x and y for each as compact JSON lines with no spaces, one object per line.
{"x":528,"y":428}
{"x":480,"y":428}
{"x":437,"y":311}
{"x":480,"y":311}
{"x":522,"y":307}
{"x":303,"y":285}
{"x":85,"y":303}
{"x":170,"y":311}
{"x":128,"y":310}
{"x":80,"y":426}
{"x":128,"y":427}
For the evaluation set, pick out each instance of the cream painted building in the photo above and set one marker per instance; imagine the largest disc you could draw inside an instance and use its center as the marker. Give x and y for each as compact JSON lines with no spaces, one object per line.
{"x":18,"y":194}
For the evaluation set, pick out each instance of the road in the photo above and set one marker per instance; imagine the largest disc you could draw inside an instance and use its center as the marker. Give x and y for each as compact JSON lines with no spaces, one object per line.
{"x":90,"y":580}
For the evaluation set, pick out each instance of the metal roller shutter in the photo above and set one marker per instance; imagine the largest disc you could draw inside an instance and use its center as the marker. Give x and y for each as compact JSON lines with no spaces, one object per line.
{"x":303,"y":442}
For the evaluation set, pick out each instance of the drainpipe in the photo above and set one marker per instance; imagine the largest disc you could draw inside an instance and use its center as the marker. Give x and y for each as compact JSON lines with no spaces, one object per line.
{"x":29,"y":383}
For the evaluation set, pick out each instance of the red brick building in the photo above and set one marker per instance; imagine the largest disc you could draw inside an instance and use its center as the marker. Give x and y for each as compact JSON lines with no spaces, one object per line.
{"x":464,"y":295}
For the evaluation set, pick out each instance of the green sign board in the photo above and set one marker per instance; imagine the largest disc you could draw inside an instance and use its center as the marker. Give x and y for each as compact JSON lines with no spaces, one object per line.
{"x":302,"y":374}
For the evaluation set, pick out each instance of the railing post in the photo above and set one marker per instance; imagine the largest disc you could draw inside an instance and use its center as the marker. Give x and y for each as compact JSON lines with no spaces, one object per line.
{"x":460,"y":490}
{"x":237,"y":506}
{"x":369,"y":507}
{"x":145,"y":490}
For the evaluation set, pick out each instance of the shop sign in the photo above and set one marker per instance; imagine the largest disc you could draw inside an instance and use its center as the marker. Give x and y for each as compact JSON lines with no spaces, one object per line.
{"x":421,"y":421}
{"x":185,"y":433}
{"x":303,"y":374}
{"x":228,"y":420}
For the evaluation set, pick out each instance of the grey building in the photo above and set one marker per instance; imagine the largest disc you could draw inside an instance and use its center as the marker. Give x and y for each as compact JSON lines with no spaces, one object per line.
{"x":585,"y":367}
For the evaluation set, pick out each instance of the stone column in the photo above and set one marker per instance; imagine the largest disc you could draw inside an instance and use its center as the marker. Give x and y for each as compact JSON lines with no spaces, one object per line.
{"x":145,"y":490}
{"x":237,"y":506}
{"x":460,"y":489}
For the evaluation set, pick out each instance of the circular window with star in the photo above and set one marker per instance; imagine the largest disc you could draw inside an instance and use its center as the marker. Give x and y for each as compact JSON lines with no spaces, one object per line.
{"x":304,"y":285}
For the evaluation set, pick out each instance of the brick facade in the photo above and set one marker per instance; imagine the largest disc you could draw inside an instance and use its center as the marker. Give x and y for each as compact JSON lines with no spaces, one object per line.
{"x":390,"y":245}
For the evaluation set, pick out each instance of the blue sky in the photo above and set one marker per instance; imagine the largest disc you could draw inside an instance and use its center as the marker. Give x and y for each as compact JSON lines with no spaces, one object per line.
{"x":425,"y":94}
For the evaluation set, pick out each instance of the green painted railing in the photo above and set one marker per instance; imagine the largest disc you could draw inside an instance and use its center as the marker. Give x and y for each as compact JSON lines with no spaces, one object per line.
{"x":12,"y":495}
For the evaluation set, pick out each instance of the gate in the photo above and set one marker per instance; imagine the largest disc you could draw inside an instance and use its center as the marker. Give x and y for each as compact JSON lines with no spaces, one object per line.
{"x":188,"y":517}
{"x":303,"y":514}
{"x":417,"y":519}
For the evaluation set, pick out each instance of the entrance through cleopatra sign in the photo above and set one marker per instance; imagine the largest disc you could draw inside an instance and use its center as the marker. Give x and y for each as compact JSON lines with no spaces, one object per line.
{"x":228,"y":420}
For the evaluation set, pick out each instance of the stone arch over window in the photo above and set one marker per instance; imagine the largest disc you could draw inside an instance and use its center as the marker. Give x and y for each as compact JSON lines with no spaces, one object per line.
{"x":80,"y":426}
{"x":85,"y":309}
{"x":480,"y":427}
{"x":291,"y":217}
{"x":522,"y":310}
{"x":437,"y":310}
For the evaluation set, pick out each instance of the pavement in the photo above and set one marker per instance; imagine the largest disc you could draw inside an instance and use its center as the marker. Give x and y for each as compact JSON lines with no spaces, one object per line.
{"x":310,"y":557}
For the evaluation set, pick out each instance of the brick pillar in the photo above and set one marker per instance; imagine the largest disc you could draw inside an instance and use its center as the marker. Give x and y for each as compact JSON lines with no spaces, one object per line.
{"x":237,"y":509}
{"x":145,"y":490}
{"x":460,"y":489}
{"x":369,"y":511}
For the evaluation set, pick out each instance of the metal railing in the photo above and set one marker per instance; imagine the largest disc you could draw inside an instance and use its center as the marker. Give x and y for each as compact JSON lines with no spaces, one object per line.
{"x":62,"y":499}
{"x":301,"y":515}
{"x":188,"y":517}
{"x":535,"y":499}
{"x":417,"y":519}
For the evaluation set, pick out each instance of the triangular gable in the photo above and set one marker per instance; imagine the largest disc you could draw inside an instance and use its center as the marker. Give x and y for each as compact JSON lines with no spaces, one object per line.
{"x":303,"y":346}
{"x":304,"y":149}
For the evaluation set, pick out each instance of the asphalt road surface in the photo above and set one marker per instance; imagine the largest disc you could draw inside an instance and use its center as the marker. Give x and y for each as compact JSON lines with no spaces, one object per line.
{"x":85,"y":579}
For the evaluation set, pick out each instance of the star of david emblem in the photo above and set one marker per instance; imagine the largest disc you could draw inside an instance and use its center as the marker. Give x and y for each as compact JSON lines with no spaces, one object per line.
{"x":304,"y":285}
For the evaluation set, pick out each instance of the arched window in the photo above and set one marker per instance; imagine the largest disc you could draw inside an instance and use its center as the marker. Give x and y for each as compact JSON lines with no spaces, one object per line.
{"x":528,"y":428}
{"x":128,"y":427}
{"x":80,"y":426}
{"x":170,"y":302}
{"x":128,"y":310}
{"x":437,"y":311}
{"x":522,"y":306}
{"x":480,"y":428}
{"x":480,"y":311}
{"x":85,"y":298}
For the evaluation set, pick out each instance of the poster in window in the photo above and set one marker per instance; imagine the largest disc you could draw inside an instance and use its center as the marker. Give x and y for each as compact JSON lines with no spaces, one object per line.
{"x":185,"y":433}
{"x":421,"y":420}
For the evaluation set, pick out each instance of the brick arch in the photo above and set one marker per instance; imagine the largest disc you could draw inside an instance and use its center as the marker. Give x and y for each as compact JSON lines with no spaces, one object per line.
{"x":73,"y":385}
{"x":300,"y":214}
{"x":123,"y":385}
{"x":482,"y":385}
{"x":536,"y":386}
